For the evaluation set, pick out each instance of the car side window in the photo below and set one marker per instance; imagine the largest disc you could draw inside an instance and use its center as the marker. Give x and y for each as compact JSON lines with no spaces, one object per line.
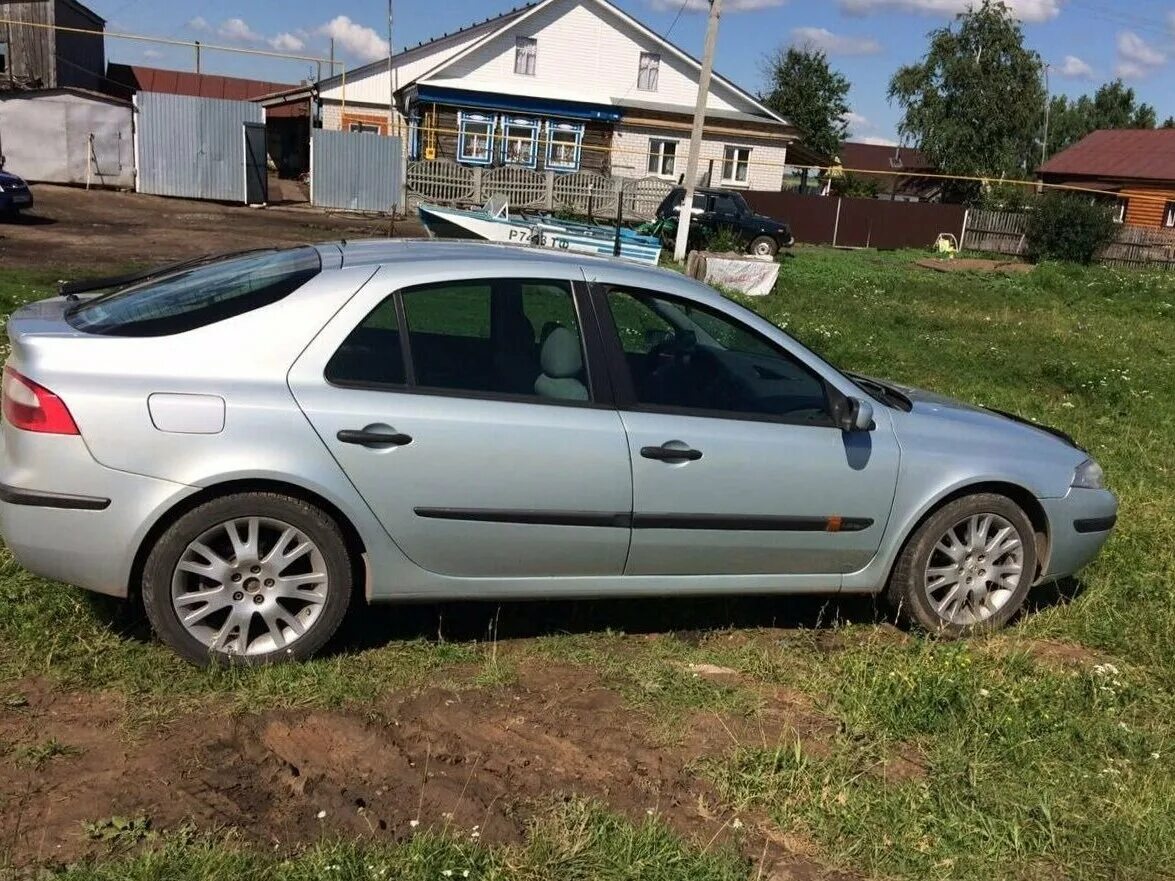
{"x":498,"y":336}
{"x":372,"y":353}
{"x":692,"y":357}
{"x":725,"y":205}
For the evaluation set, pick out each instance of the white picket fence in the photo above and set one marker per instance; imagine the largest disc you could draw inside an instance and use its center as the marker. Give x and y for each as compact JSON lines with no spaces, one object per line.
{"x":582,"y":192}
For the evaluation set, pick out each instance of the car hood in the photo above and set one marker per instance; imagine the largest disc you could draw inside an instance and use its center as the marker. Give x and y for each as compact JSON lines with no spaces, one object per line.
{"x":7,"y":180}
{"x":769,"y":221}
{"x":931,"y":404}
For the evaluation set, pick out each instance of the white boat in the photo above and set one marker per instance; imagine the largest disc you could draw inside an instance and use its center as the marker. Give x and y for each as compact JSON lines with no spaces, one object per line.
{"x":495,"y":223}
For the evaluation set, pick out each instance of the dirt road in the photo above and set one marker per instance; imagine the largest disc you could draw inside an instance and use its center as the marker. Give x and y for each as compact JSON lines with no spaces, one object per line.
{"x":103,"y":230}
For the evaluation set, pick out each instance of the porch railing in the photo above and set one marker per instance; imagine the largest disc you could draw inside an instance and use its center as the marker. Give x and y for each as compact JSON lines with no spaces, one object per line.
{"x":581,"y":192}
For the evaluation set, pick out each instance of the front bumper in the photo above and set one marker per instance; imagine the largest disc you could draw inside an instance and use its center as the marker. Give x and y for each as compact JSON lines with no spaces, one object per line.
{"x":1080,"y":523}
{"x":15,"y":200}
{"x":68,"y":518}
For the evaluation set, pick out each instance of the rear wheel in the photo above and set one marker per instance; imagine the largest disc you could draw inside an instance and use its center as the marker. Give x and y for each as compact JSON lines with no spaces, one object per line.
{"x":763,"y":246}
{"x":252,"y":578}
{"x":968,"y":568}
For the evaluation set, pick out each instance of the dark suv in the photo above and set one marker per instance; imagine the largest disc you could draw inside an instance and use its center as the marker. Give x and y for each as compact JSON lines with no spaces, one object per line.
{"x":726,"y":209}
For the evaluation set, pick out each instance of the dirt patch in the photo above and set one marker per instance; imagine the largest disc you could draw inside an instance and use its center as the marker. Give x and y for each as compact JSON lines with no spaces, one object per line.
{"x":973,"y":264}
{"x":473,"y":761}
{"x":103,"y":230}
{"x":1058,"y":653}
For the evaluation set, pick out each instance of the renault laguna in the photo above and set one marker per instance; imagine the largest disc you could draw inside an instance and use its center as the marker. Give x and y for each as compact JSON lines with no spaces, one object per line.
{"x":244,"y":443}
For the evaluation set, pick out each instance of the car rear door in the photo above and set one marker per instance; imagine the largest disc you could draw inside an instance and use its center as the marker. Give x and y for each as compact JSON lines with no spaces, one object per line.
{"x":463,"y":410}
{"x":737,"y":467}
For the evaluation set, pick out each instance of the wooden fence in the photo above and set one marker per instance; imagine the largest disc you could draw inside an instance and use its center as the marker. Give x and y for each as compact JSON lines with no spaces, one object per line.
{"x":1000,"y":232}
{"x":582,"y":192}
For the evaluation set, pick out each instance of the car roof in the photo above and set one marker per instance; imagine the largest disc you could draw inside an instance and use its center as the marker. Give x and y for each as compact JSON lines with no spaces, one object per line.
{"x":365,"y":252}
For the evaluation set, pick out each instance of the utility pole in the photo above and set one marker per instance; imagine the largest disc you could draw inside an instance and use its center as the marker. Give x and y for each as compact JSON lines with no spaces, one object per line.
{"x":695,"y":141}
{"x":197,"y":56}
{"x":1048,"y":106}
{"x":391,"y":76}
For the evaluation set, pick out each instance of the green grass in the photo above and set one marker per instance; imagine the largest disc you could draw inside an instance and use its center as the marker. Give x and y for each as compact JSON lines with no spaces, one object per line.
{"x":573,"y":841}
{"x":1025,"y":767}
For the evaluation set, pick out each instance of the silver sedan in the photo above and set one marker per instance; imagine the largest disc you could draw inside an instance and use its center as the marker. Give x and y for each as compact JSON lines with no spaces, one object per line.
{"x":244,"y":443}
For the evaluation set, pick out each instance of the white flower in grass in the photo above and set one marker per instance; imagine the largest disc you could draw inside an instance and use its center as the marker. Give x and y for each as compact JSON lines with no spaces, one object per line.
{"x":448,"y":873}
{"x":413,"y":823}
{"x":736,"y":823}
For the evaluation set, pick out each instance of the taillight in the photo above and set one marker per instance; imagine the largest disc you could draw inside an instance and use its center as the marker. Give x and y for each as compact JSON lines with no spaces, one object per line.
{"x":32,"y":407}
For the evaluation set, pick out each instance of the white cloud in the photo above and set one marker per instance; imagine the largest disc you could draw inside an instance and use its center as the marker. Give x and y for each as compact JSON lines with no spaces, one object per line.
{"x":235,"y":30}
{"x":152,"y":54}
{"x":834,"y":44}
{"x":362,"y":42}
{"x":199,"y":24}
{"x":1074,"y":67}
{"x":1025,"y":10}
{"x":877,"y":141}
{"x":1132,"y":47}
{"x":287,"y":42}
{"x":704,"y":5}
{"x":857,"y":121}
{"x":1137,"y":57}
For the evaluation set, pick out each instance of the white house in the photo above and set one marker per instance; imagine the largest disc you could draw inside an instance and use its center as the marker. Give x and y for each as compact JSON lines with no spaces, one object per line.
{"x":562,"y":85}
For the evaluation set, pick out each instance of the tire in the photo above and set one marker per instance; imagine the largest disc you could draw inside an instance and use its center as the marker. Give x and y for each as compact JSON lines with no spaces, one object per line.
{"x":931,"y":566}
{"x":763,"y":246}
{"x":277,"y":591}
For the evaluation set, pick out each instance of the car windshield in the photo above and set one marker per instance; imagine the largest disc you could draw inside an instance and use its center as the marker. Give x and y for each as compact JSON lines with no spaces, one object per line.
{"x":198,"y":295}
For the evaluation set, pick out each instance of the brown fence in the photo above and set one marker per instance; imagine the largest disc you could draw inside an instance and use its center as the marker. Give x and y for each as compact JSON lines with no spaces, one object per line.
{"x":860,"y":223}
{"x":1000,"y":232}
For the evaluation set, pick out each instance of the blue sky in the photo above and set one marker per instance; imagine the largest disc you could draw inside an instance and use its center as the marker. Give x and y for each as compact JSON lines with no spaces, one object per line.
{"x":1085,"y":41}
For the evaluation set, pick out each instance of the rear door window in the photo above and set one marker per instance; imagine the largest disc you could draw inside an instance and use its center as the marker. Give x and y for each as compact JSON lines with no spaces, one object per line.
{"x":198,"y":295}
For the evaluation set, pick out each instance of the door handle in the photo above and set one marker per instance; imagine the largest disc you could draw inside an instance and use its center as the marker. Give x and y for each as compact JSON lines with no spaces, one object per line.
{"x":373,"y":439}
{"x":671,"y":454}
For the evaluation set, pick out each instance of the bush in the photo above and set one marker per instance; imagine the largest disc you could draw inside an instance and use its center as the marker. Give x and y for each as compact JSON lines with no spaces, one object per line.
{"x":723,"y":240}
{"x":1069,"y":227}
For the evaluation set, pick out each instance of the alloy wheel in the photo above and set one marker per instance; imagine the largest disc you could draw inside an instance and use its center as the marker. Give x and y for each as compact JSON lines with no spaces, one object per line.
{"x":974,"y":569}
{"x":249,"y":586}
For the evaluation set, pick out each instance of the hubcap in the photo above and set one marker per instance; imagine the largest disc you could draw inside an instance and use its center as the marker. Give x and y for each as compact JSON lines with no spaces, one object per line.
{"x":974,"y":569}
{"x":249,"y":586}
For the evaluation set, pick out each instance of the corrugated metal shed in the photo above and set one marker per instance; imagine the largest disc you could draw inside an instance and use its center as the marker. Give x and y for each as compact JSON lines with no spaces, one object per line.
{"x":68,"y":136}
{"x":193,"y":148}
{"x":355,"y":172}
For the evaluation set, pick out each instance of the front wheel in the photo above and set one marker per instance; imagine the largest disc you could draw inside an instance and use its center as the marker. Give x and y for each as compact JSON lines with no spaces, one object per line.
{"x":968,"y":568}
{"x":252,"y":578}
{"x":763,"y":246}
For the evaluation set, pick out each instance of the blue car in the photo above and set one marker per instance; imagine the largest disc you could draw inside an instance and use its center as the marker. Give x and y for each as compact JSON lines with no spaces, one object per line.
{"x":15,"y":195}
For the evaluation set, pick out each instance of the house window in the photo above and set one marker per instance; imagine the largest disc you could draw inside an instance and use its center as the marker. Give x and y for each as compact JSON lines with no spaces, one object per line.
{"x":662,"y":157}
{"x":1169,"y":215}
{"x":650,"y":68}
{"x":526,"y":52}
{"x":3,"y":58}
{"x":564,"y":146}
{"x":364,"y":125}
{"x":475,"y":138}
{"x":414,"y":138}
{"x":1120,"y":206}
{"x":520,"y":142}
{"x":736,"y":165}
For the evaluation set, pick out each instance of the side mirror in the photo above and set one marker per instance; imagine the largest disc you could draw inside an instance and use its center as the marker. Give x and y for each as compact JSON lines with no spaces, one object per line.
{"x":853,"y":414}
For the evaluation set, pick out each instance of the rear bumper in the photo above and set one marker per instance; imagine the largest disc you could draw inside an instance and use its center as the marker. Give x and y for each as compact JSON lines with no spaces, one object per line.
{"x":1081,"y":522}
{"x":68,"y":518}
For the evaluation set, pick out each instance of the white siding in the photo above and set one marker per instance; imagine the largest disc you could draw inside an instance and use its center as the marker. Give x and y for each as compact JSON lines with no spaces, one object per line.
{"x":585,"y":53}
{"x":631,"y":149}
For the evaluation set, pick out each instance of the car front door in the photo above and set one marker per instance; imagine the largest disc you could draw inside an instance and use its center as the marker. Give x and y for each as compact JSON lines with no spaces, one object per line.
{"x":463,"y":412}
{"x":737,"y":467}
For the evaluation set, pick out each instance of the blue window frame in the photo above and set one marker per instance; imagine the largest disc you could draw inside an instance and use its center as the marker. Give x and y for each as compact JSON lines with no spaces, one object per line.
{"x":520,"y":141}
{"x":564,"y":146}
{"x":475,"y":139}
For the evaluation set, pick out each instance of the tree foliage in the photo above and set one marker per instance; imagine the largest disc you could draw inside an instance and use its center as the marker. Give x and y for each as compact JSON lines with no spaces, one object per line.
{"x":1113,"y":106}
{"x":1069,"y":227}
{"x":975,"y":103}
{"x":805,"y":90}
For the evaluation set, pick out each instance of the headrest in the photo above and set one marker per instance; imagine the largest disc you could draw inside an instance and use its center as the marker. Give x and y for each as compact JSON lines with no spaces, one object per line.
{"x":560,"y":357}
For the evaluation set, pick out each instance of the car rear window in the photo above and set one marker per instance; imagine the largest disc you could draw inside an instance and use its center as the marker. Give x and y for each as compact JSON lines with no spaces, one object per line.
{"x":200,"y":295}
